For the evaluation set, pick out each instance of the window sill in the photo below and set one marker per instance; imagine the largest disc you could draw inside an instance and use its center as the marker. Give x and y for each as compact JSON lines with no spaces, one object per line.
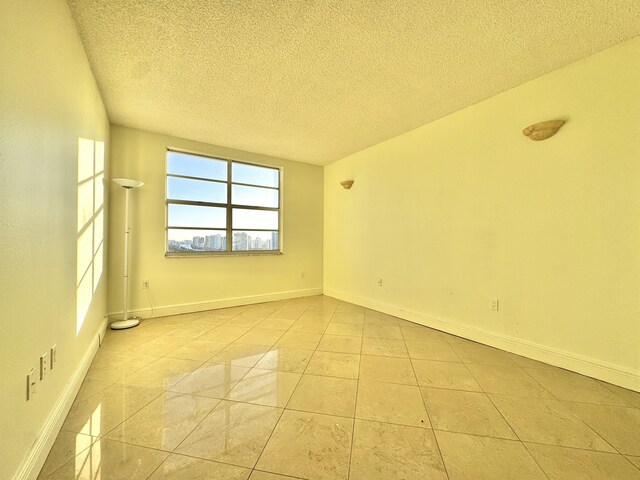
{"x":254,"y":253}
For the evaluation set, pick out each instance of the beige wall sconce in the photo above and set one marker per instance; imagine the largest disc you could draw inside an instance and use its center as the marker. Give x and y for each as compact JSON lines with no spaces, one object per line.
{"x":347,"y":184}
{"x":543,"y":130}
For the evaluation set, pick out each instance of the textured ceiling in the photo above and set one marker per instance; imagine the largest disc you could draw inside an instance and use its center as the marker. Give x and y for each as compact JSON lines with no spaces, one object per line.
{"x":317,"y":80}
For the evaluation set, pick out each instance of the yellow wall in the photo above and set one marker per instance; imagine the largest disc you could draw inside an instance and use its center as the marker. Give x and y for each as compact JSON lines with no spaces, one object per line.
{"x":188,"y":284}
{"x":467,"y":208}
{"x":48,"y":100}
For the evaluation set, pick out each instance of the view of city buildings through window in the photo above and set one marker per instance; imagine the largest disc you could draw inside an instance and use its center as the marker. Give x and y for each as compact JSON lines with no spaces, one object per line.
{"x":211,"y":200}
{"x":242,"y":241}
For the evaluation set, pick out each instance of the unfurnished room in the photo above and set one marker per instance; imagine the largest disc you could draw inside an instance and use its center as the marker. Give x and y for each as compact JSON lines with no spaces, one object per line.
{"x":341,"y":240}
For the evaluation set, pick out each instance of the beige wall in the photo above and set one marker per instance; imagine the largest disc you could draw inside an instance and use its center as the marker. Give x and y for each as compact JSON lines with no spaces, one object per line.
{"x":187,"y":284}
{"x":48,"y":100}
{"x":467,"y":208}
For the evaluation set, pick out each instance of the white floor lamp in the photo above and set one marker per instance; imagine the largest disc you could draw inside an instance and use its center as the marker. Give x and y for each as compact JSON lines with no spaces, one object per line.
{"x":126,"y":322}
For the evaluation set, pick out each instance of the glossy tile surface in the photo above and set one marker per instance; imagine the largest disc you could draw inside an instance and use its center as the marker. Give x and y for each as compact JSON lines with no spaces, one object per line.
{"x":318,"y":388}
{"x":391,"y":403}
{"x":332,"y":364}
{"x":469,"y":457}
{"x":165,"y":422}
{"x":340,"y":344}
{"x":465,"y":412}
{"x":309,"y":445}
{"x":285,"y":360}
{"x":211,"y":380}
{"x":387,"y":369}
{"x":551,"y":422}
{"x":619,"y":426}
{"x":182,"y":467}
{"x":562,"y":463}
{"x":198,"y":350}
{"x":265,"y":387}
{"x":240,"y":354}
{"x":112,"y":460}
{"x":65,"y":448}
{"x":431,"y":350}
{"x":508,"y":380}
{"x":571,"y":386}
{"x":233,"y":433}
{"x":384,"y":347}
{"x":449,"y":375}
{"x":382,"y":451}
{"x":101,"y":412}
{"x":329,"y":395}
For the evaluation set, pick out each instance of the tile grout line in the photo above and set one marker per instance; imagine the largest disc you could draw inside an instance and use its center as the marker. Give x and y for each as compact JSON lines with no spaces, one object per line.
{"x":282,"y":412}
{"x":424,"y":404}
{"x":163,"y":392}
{"x":308,"y":308}
{"x":219,"y":400}
{"x":511,"y":427}
{"x":223,"y":399}
{"x":355,"y":412}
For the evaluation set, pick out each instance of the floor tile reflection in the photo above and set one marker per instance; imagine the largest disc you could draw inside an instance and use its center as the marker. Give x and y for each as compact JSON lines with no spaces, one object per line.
{"x":317,"y":388}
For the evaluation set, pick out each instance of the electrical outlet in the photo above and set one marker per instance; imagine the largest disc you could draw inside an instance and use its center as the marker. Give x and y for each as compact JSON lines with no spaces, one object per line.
{"x":52,"y":362}
{"x":31,"y":384}
{"x":493,"y":304}
{"x":44,"y":365}
{"x":145,"y":284}
{"x":380,"y":282}
{"x":301,"y":273}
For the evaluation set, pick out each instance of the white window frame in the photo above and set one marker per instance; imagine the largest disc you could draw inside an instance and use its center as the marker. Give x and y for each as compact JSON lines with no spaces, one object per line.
{"x":228,"y":206}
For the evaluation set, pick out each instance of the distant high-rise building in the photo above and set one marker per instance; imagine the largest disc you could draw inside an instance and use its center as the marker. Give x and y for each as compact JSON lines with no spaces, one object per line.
{"x":213,"y":242}
{"x":240,"y":241}
{"x":274,"y":241}
{"x":258,"y":244}
{"x":197,"y":243}
{"x":217,"y":242}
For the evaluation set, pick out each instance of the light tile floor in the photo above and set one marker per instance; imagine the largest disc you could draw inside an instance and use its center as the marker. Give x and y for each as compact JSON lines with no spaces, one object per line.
{"x":318,"y":388}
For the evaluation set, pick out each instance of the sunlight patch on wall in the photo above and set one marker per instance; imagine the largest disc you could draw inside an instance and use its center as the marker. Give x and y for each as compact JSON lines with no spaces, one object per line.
{"x":89,"y":247}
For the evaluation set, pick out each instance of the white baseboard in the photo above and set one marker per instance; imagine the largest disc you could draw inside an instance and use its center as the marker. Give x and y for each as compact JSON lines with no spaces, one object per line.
{"x":165,"y":310}
{"x":591,"y":367}
{"x":33,"y":462}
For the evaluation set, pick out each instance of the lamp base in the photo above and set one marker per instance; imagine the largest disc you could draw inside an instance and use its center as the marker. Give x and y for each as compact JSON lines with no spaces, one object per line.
{"x":124,"y":324}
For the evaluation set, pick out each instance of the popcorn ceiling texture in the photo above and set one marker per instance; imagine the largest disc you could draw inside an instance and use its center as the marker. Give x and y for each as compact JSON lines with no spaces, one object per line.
{"x":315,"y":81}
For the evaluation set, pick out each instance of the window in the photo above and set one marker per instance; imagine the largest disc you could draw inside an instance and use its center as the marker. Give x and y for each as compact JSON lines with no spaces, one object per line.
{"x":221,"y":206}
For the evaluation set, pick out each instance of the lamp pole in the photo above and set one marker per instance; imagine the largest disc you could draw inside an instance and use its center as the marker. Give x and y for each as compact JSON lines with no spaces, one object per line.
{"x":126,"y":322}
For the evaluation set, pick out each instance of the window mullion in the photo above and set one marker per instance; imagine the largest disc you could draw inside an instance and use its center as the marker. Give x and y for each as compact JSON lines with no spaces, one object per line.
{"x":229,"y":209}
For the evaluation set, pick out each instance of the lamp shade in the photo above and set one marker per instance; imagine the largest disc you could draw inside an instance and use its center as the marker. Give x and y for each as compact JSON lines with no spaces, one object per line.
{"x":128,"y":183}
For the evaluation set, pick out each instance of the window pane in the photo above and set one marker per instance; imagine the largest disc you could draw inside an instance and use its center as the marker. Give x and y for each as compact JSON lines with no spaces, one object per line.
{"x":196,"y":240}
{"x":194,"y":166}
{"x":243,"y":173}
{"x":196,"y":216}
{"x":254,"y":219}
{"x":255,"y":241}
{"x":196,"y":190}
{"x":255,"y":196}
